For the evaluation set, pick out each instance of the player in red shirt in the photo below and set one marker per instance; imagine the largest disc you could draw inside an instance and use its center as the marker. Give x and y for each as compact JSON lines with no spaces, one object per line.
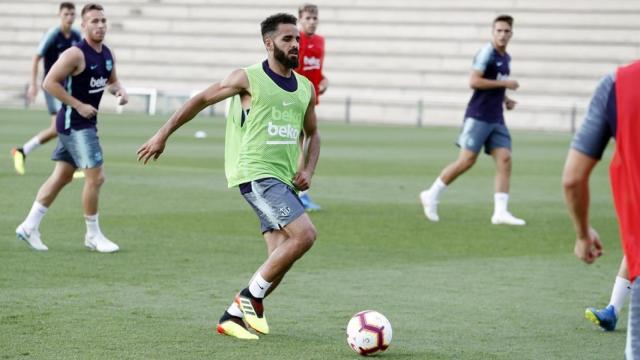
{"x":622,"y":123}
{"x":311,"y":55}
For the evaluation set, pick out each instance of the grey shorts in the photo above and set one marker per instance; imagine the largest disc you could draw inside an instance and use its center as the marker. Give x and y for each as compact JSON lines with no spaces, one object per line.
{"x":475,"y":134}
{"x":275,"y":203}
{"x":53,"y":104}
{"x":80,"y":148}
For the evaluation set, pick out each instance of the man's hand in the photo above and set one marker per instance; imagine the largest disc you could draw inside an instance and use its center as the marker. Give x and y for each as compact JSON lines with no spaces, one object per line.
{"x":302,"y":180}
{"x":152,"y":148}
{"x":32,"y":92}
{"x":510,"y":104}
{"x":122,"y":96}
{"x":512,"y":84}
{"x":590,"y":248}
{"x":87,"y":111}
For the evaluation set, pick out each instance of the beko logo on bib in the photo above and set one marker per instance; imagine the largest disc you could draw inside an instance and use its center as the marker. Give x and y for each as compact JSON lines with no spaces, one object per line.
{"x":287,"y":131}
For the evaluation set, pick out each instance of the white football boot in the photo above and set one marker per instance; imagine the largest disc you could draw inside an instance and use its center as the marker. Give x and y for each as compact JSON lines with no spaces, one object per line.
{"x":100,"y":243}
{"x":31,"y":237}
{"x":507,"y":219}
{"x":430,"y":206}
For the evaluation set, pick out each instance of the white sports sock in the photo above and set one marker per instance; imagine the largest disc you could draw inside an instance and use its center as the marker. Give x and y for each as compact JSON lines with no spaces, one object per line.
{"x":302,"y":193}
{"x":234,"y":310}
{"x":437,"y":188}
{"x":500,"y":203}
{"x":259,"y":286}
{"x":93,"y":227}
{"x":31,"y":145}
{"x":35,"y":216}
{"x":619,"y":294}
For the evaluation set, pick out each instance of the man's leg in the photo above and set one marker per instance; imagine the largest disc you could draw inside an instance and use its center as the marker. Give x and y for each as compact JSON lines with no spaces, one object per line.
{"x":94,"y":239}
{"x":501,"y":214}
{"x":28,"y":230}
{"x":431,"y":197}
{"x":19,"y":154}
{"x":607,"y":317}
{"x":632,"y":350}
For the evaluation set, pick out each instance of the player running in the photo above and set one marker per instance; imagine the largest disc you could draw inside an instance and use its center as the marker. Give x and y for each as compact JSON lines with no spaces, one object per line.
{"x":271,"y":106}
{"x":310,"y":66}
{"x":614,"y":111}
{"x":484,"y":125}
{"x":55,"y":42}
{"x":87,"y":69}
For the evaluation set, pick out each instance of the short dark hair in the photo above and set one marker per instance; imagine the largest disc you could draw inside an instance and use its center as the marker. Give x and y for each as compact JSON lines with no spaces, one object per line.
{"x":506,"y":18}
{"x":91,"y":6}
{"x":306,"y":7}
{"x":270,"y":24}
{"x":67,"y":5}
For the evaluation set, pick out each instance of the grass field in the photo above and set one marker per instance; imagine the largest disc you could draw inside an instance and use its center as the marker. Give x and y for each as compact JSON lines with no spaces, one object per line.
{"x":458,"y":289}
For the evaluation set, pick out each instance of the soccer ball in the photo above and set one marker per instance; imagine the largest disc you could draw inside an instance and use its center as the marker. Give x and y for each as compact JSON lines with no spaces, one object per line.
{"x":369,"y":332}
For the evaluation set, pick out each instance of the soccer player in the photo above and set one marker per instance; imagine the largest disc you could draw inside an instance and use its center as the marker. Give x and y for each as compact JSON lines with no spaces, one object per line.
{"x":87,"y":69}
{"x":484,"y":125}
{"x":614,"y":111}
{"x":310,"y":66}
{"x":55,"y":42}
{"x":270,"y":106}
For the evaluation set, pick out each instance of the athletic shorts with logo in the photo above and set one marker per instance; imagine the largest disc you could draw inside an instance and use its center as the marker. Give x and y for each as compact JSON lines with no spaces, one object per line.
{"x":476,"y":133}
{"x":80,"y":148}
{"x":275,"y":202}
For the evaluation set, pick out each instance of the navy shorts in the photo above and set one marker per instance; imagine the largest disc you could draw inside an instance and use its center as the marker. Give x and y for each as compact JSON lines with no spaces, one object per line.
{"x":275,"y":203}
{"x":475,"y":134}
{"x":80,"y":148}
{"x":53,"y":104}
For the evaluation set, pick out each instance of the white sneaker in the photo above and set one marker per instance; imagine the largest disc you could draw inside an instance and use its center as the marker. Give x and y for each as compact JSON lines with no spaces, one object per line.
{"x":100,"y":243}
{"x":507,"y":219}
{"x":430,"y":206}
{"x":31,"y":237}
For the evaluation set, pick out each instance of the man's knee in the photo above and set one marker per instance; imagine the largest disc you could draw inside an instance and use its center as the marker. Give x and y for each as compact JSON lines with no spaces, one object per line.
{"x":466,"y":162}
{"x":95,"y":179}
{"x":307,"y":237}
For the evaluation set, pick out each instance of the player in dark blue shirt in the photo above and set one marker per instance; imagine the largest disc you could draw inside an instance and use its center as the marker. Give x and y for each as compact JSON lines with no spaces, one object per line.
{"x":484,"y":125}
{"x":87,"y":70}
{"x":587,"y":147}
{"x":55,"y":42}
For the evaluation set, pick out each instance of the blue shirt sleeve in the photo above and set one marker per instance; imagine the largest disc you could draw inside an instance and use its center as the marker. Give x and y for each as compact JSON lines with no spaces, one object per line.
{"x":482,"y":58}
{"x":47,"y":40}
{"x":594,"y":134}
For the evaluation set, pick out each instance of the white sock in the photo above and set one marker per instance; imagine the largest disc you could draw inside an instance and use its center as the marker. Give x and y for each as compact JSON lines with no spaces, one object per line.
{"x":501,"y":200}
{"x":93,"y":227}
{"x":437,"y":188}
{"x":619,"y":294}
{"x":31,"y":145}
{"x":259,"y":286}
{"x":234,"y":310}
{"x":302,"y":193}
{"x":35,"y":216}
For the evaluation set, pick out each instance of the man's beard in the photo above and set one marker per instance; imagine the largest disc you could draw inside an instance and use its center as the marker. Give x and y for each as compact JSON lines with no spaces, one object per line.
{"x":289,"y":63}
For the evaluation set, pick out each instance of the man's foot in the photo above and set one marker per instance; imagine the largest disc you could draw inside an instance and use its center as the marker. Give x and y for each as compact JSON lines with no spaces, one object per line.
{"x":430,"y":206}
{"x":605,"y":318}
{"x":100,"y":243}
{"x":18,"y":159}
{"x":234,"y":326}
{"x":507,"y":219}
{"x":308,"y":204}
{"x":253,"y":311}
{"x":31,"y":237}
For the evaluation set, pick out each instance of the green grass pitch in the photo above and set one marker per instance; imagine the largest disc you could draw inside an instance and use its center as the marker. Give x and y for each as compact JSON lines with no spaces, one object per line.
{"x":458,"y":289}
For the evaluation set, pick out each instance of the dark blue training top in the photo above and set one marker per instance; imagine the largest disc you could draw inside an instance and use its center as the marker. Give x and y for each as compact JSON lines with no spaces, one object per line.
{"x":88,"y":87}
{"x":486,"y":105}
{"x":600,"y":122}
{"x":289,"y":84}
{"x":54,"y":43}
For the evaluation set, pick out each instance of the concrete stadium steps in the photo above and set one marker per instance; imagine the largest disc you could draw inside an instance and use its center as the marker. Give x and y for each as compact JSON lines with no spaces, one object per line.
{"x":384,"y":55}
